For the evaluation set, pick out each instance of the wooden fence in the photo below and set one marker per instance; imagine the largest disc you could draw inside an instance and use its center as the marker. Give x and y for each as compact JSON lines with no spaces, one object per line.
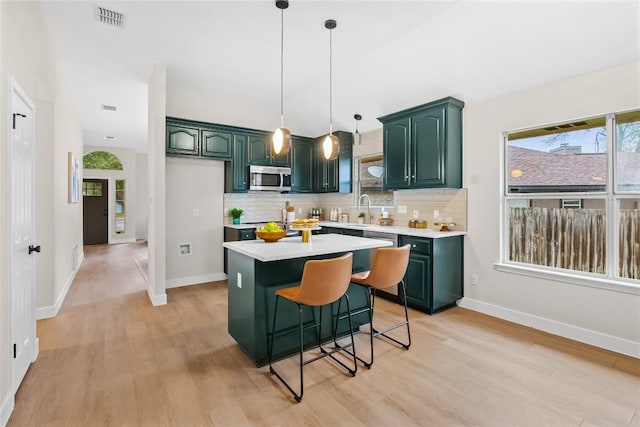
{"x":630,"y":243}
{"x":572,"y":238}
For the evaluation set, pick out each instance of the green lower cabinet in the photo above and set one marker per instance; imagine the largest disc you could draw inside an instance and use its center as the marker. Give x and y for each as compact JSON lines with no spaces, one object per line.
{"x":434,"y":277}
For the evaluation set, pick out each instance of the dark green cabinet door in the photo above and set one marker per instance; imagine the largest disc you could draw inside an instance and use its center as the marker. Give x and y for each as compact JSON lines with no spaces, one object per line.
{"x":235,"y":171}
{"x":326,"y":172}
{"x":259,"y":150}
{"x":428,"y":148}
{"x":396,"y":150}
{"x":217,"y":144}
{"x":301,"y":165}
{"x":417,"y":281}
{"x":182,"y":140}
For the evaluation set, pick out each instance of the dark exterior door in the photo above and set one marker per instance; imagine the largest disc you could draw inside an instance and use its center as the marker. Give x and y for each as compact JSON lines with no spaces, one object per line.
{"x":95,"y":211}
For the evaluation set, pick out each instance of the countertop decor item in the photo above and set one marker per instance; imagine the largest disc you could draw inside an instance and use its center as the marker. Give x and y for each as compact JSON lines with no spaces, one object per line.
{"x":386,"y":221}
{"x":412,"y":223}
{"x":421,"y":223}
{"x":235,"y":214}
{"x":271,"y":236}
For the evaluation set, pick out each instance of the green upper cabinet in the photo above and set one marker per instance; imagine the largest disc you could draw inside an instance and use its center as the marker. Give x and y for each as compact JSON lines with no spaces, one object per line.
{"x":182,"y":139}
{"x":331,"y":176}
{"x":235,"y":172}
{"x":423,"y":146}
{"x":260,"y":152}
{"x":216,"y":143}
{"x":301,"y":165}
{"x":191,"y":138}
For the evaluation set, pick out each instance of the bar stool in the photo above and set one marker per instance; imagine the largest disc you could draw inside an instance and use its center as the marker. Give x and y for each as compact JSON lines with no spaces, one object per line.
{"x":388,"y":268}
{"x":323,"y":282}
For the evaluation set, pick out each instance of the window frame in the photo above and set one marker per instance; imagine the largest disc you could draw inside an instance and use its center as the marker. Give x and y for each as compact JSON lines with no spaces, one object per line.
{"x":611,"y":280}
{"x":357,"y":190}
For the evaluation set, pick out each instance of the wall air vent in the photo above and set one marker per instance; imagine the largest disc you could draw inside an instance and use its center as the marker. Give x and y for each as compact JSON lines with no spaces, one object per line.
{"x":108,"y":107}
{"x":109,"y":17}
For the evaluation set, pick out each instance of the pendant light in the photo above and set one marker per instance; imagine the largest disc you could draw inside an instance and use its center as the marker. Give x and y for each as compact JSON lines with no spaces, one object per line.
{"x":281,"y":137}
{"x":330,"y":144}
{"x":357,"y":136}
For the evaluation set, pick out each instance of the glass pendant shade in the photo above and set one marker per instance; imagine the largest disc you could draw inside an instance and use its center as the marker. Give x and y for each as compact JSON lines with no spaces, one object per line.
{"x":331,"y":147}
{"x":281,"y":141}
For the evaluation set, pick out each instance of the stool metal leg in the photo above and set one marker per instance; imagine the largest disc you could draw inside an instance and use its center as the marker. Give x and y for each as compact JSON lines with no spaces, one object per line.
{"x":397,"y":325}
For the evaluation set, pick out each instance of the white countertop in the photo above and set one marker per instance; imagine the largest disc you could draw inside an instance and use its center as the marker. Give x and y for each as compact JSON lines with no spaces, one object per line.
{"x":394,"y":229}
{"x":292,"y":247}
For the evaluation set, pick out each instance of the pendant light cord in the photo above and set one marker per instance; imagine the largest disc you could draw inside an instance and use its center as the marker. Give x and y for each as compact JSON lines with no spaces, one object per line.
{"x":331,"y":82}
{"x":282,"y":68}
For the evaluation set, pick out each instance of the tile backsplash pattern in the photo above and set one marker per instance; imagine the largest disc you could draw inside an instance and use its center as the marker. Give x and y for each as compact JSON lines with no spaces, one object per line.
{"x":268,"y":206}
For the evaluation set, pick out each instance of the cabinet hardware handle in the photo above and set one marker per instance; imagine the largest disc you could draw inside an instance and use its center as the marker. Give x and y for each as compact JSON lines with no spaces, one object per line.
{"x":413,"y":246}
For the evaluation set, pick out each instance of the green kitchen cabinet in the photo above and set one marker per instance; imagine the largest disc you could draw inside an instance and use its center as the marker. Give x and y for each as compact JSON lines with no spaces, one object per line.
{"x":333,"y":175}
{"x":422,"y":146}
{"x":434,"y":276}
{"x":216,"y":143}
{"x":301,"y":165}
{"x":236,"y":174}
{"x":182,"y":139}
{"x":261,"y":152}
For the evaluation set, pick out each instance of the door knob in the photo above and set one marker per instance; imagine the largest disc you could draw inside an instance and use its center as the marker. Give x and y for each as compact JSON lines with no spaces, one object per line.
{"x":34,"y":249}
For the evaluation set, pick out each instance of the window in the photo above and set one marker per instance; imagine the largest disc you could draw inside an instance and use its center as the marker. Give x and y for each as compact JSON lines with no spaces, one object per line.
{"x":92,"y":189}
{"x":369,"y":173}
{"x":572,"y":200}
{"x":120,"y":207}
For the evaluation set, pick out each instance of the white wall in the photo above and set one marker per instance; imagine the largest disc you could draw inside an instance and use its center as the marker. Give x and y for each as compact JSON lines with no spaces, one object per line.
{"x":129,"y":173}
{"x":142,"y":196}
{"x":194,"y":184}
{"x":26,"y":55}
{"x":156,"y":286}
{"x":602,"y":317}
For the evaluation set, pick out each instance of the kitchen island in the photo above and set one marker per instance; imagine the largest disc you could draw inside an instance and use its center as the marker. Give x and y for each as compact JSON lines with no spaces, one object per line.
{"x":257,"y":269}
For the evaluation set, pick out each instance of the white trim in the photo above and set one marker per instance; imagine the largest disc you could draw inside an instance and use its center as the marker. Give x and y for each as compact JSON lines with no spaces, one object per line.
{"x":195,"y":280}
{"x":598,"y":339}
{"x":575,"y":279}
{"x":52,"y":310}
{"x":156,"y":300}
{"x":116,"y":241}
{"x":7,"y":409}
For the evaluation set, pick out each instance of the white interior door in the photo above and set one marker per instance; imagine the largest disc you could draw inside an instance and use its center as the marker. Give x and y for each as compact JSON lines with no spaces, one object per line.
{"x":22,"y":230}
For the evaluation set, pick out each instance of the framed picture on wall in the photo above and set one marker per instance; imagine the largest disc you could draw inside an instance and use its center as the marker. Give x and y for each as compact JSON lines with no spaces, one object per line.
{"x":74,"y":178}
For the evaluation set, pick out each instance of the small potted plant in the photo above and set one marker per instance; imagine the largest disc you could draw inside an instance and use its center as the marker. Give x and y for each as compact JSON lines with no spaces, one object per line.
{"x":361,"y":217}
{"x":236,"y":213}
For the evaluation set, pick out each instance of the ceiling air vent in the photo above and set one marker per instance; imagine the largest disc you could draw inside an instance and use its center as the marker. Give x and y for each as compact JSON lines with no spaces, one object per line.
{"x":109,"y":17}
{"x":108,"y":107}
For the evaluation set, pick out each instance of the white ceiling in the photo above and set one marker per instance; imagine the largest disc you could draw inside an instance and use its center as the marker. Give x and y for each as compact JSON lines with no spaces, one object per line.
{"x":387,"y":56}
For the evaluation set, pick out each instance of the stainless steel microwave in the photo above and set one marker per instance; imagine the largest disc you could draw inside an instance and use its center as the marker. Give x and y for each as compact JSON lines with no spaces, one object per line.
{"x":269,"y":178}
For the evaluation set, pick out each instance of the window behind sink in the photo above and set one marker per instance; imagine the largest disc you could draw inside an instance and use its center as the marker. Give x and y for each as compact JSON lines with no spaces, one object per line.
{"x":369,"y":174}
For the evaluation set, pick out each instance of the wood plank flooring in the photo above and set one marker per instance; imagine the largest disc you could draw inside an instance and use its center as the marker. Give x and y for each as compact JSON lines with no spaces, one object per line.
{"x":111,"y":359}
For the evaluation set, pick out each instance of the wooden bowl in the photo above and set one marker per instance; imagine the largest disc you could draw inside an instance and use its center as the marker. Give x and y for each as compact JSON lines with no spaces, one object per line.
{"x":271,"y":237}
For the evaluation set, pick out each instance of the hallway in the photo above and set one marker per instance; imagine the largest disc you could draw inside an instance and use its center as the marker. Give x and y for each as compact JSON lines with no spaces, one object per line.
{"x":110,"y":358}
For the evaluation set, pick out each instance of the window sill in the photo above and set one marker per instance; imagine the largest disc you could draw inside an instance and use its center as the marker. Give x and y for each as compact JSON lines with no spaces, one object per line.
{"x":619,"y":285}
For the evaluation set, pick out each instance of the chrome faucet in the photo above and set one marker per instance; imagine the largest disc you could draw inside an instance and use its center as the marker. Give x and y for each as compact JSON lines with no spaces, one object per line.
{"x":368,"y":206}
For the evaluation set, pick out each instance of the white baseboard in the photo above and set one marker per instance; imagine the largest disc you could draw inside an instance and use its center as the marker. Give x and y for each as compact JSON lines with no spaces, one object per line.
{"x":52,"y":310}
{"x":598,"y":339}
{"x":195,"y":280}
{"x":156,"y":299}
{"x":6,"y":409}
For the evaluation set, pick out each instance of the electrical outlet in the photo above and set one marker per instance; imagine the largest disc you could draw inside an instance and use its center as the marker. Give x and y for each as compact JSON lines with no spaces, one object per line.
{"x":474,"y":280}
{"x":239,"y":280}
{"x":416,"y":214}
{"x":196,"y":212}
{"x":402,"y":209}
{"x":299,"y":210}
{"x":436,"y":213}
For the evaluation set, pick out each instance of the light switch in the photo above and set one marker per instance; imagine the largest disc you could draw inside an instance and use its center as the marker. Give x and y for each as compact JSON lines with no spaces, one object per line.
{"x":402,"y":209}
{"x":196,"y":212}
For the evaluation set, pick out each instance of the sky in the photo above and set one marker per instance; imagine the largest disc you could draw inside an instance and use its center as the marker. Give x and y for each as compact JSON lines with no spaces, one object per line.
{"x":585,"y":138}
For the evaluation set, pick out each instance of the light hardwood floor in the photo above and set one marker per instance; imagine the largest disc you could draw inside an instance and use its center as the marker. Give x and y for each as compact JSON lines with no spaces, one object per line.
{"x":111,"y":359}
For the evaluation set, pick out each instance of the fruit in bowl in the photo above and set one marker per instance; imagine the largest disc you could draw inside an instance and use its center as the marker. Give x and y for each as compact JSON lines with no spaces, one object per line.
{"x":271,"y":232}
